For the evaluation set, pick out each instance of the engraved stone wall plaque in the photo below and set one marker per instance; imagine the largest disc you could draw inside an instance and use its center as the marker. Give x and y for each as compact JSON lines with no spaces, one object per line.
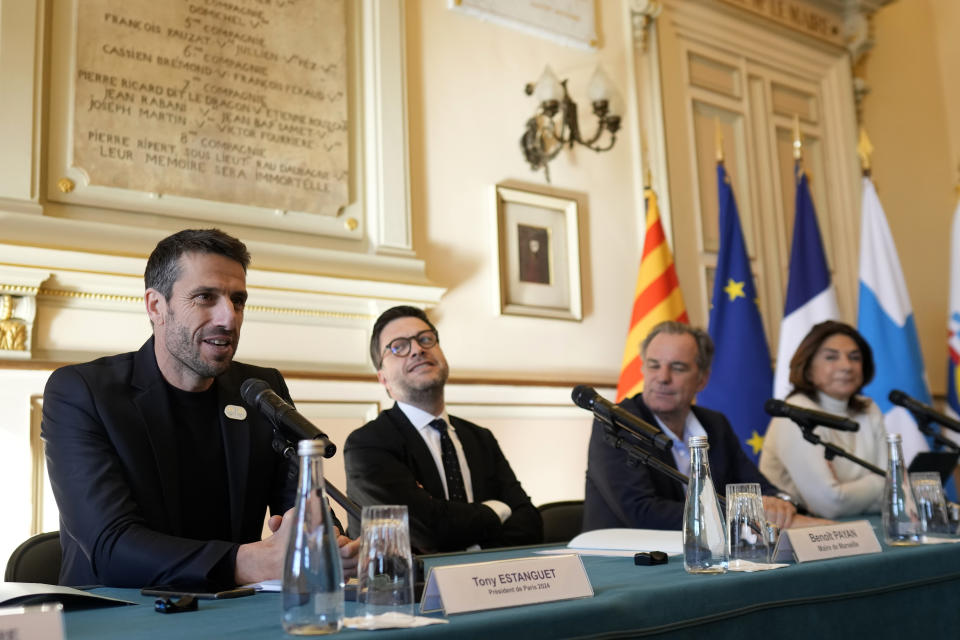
{"x":238,"y":101}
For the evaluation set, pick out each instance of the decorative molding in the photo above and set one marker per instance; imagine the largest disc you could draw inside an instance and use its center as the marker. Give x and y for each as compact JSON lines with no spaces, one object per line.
{"x":643,"y":13}
{"x":386,"y":160}
{"x":372,"y":239}
{"x":859,"y":33}
{"x":845,"y":22}
{"x":38,"y":469}
{"x":89,"y":295}
{"x":802,"y":16}
{"x":255,"y":308}
{"x":19,"y":287}
{"x":87,"y":305}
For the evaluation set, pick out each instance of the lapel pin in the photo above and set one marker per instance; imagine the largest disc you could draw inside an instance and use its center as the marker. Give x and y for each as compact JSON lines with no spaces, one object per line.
{"x":235,"y":412}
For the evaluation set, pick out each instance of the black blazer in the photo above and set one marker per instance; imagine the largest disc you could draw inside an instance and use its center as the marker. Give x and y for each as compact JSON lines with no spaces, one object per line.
{"x":112,"y":461}
{"x":388,"y":462}
{"x":619,"y":496}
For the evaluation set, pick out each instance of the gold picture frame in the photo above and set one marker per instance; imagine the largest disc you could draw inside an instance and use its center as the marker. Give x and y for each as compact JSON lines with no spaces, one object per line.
{"x":537,"y":242}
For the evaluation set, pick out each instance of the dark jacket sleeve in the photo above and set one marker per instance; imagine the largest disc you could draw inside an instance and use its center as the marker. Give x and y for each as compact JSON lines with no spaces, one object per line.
{"x":494,"y":479}
{"x":619,"y":494}
{"x":107,"y":539}
{"x":382,"y":468}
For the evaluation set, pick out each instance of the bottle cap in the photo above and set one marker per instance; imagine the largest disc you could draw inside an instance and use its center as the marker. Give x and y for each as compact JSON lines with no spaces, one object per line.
{"x":310,"y":448}
{"x":697,"y":441}
{"x":894,"y":437}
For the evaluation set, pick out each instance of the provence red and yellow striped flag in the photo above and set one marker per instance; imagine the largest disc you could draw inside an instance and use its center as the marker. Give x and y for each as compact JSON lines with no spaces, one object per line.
{"x":657,"y":298}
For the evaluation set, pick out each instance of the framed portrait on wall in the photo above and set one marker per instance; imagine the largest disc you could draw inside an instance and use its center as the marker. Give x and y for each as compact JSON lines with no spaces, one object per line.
{"x":537,"y":247}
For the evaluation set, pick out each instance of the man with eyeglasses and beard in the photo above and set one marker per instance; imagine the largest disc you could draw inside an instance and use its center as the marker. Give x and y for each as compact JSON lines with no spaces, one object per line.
{"x":458,"y":486}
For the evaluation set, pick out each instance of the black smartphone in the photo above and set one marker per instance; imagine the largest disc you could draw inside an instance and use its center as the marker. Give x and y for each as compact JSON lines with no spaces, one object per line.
{"x":197,"y":591}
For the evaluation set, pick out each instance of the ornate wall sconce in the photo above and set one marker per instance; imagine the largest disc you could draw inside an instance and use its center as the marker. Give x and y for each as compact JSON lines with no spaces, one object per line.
{"x":555,"y":123}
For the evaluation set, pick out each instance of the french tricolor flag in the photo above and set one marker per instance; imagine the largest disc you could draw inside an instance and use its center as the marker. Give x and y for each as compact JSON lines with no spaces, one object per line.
{"x":811,"y":297}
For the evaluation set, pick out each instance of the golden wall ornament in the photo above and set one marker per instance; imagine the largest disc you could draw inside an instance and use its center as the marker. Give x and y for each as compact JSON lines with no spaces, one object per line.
{"x":13,"y":331}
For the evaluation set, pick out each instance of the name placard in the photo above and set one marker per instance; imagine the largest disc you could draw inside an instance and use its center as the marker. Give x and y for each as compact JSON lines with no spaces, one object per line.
{"x":479,"y":586}
{"x":827,"y":541}
{"x":42,"y":621}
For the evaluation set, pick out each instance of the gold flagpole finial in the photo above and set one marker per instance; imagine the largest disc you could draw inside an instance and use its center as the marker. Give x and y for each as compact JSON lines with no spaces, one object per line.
{"x":797,"y":140}
{"x":718,"y":139}
{"x":864,"y":150}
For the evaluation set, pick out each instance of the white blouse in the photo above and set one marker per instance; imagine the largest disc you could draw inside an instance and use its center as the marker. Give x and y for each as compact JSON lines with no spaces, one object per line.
{"x":828,"y":488}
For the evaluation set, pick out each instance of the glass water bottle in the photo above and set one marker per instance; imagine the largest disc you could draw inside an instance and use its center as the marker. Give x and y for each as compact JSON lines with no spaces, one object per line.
{"x":312,"y":574}
{"x":704,"y":535}
{"x":901,"y":518}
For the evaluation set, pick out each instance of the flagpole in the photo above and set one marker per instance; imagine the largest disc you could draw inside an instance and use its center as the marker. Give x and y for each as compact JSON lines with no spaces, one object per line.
{"x":864,"y":150}
{"x":797,"y":140}
{"x":718,"y":137}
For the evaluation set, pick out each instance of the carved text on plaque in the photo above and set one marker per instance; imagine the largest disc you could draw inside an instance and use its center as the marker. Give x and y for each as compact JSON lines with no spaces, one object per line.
{"x":240,"y":101}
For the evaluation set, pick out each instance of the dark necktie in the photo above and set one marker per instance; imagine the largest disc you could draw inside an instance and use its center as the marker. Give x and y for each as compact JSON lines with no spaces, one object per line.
{"x":451,"y":464}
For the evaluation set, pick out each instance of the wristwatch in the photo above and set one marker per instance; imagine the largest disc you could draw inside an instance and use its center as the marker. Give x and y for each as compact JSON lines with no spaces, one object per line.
{"x":786,"y":497}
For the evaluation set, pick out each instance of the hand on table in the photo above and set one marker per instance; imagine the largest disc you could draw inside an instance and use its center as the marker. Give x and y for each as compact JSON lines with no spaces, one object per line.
{"x":780,"y":513}
{"x":263,"y":560}
{"x":349,"y":555}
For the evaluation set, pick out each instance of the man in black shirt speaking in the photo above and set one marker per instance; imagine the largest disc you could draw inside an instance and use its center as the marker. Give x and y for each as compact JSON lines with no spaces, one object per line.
{"x":161,"y":474}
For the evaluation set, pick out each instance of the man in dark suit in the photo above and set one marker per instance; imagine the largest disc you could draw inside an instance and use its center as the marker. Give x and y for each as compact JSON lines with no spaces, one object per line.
{"x":160,"y":473}
{"x":676,"y":365}
{"x":458,"y":486}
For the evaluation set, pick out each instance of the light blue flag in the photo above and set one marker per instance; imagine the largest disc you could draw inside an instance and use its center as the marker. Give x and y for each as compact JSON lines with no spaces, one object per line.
{"x":885,"y":319}
{"x":741,"y":379}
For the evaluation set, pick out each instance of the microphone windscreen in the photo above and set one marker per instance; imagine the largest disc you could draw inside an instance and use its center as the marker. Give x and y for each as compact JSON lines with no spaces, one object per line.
{"x":897,"y":397}
{"x":251,"y":388}
{"x":774,"y":407}
{"x":583,"y":396}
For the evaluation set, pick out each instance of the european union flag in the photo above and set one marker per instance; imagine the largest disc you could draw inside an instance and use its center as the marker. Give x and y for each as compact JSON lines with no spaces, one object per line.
{"x":742,"y":378}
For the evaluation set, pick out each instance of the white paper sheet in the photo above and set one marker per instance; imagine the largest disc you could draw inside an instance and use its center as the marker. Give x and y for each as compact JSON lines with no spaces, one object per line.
{"x":629,"y":540}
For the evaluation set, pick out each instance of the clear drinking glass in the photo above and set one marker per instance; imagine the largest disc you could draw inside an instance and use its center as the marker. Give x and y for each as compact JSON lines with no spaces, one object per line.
{"x":385,"y":574}
{"x":928,"y":490}
{"x":746,"y":524}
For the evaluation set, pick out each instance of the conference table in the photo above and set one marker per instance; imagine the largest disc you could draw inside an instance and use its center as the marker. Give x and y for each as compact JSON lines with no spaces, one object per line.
{"x":903,"y":592}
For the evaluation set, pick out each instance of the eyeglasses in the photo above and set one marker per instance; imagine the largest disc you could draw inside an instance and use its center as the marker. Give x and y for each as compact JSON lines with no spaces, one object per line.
{"x":400,"y":347}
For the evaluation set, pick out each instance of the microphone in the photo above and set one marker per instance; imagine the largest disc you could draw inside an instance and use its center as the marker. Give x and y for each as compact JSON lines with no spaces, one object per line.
{"x":587,"y":398}
{"x":809,"y":417}
{"x":281,"y":413}
{"x":922,"y":411}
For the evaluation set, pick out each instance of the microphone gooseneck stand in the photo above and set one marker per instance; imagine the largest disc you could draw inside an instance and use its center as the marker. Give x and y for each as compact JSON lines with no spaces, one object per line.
{"x":285,"y":448}
{"x":615,"y":418}
{"x":830,"y":450}
{"x":923,"y":425}
{"x":638,"y":454}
